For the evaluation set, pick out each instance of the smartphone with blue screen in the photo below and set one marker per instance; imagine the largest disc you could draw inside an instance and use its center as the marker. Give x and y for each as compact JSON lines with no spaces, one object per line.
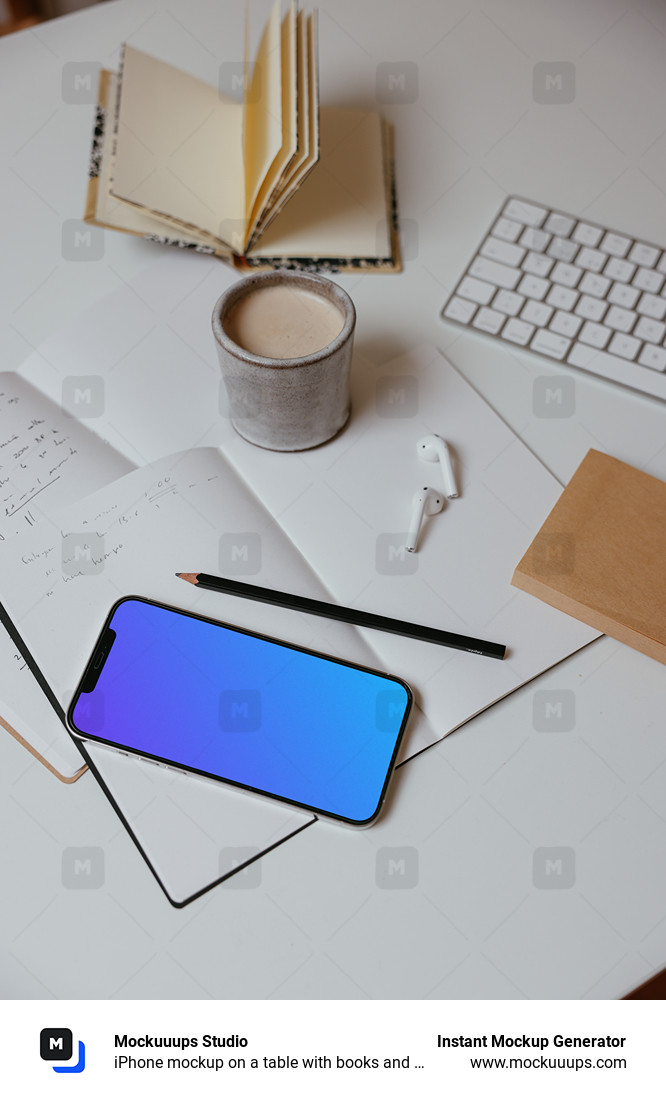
{"x":272,"y":718}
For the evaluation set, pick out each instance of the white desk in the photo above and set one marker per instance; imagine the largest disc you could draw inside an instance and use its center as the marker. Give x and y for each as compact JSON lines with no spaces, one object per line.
{"x":471,"y":917}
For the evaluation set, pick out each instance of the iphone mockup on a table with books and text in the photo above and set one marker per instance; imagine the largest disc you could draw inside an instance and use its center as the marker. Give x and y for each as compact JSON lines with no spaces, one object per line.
{"x":272,"y":718}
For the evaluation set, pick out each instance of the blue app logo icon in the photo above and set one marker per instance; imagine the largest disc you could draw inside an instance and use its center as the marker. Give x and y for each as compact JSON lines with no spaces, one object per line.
{"x":56,"y":1044}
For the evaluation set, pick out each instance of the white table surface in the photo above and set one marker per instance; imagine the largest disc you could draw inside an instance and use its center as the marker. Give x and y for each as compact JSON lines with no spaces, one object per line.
{"x":470,"y":918}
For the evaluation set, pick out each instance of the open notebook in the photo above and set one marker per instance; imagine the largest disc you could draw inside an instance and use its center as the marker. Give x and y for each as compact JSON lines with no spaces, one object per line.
{"x":326,"y":522}
{"x":259,"y":181}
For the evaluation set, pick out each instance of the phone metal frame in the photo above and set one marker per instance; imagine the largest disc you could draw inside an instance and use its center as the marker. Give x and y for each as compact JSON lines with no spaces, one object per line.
{"x":99,"y":649}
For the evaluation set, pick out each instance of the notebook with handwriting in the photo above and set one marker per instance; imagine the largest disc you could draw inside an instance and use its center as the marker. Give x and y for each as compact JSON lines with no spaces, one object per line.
{"x":329,"y":523}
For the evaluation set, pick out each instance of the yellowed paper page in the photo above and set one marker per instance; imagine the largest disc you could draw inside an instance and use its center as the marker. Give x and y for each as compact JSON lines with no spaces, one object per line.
{"x":302,"y":92}
{"x":308,"y":121}
{"x":340,"y":210}
{"x":283,"y":162}
{"x":108,"y":211}
{"x":313,"y":77}
{"x":263,"y":111}
{"x":179,"y":147}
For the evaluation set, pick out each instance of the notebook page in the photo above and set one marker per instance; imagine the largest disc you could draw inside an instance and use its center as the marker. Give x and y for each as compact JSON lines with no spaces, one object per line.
{"x":179,"y":145}
{"x":263,"y":112}
{"x":308,"y":120}
{"x":47,"y":460}
{"x":340,"y":209}
{"x":284,"y":159}
{"x":101,"y":206}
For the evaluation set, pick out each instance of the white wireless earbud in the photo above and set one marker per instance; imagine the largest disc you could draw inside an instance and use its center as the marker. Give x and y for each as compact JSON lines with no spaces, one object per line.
{"x":427,"y":502}
{"x":432,"y":448}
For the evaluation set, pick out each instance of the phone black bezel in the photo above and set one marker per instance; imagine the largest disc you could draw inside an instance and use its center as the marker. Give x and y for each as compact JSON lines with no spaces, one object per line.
{"x":364,"y":823}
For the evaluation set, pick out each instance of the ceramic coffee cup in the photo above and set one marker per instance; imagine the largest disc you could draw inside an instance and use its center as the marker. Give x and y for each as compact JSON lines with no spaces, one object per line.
{"x":284,"y":341}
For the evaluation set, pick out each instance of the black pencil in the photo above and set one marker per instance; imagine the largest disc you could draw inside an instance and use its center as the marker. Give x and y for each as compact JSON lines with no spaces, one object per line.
{"x":345,"y":614}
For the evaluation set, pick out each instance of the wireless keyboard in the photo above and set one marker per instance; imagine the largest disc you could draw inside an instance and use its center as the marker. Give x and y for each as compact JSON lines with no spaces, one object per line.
{"x":570,"y":290}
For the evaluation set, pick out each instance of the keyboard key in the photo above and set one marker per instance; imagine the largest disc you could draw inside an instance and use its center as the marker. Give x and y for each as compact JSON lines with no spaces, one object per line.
{"x":535,"y":239}
{"x":535,"y":263}
{"x":518,"y":332}
{"x":644,"y":254}
{"x":559,"y":224}
{"x":592,"y":309}
{"x":548,"y":343}
{"x":565,"y":324}
{"x":561,"y":297}
{"x":652,"y":331}
{"x":595,"y":335}
{"x":645,"y":279}
{"x":626,"y":346}
{"x":526,"y":212}
{"x":492,"y":272}
{"x":475,"y":290}
{"x":653,"y":307}
{"x":622,"y":320}
{"x":508,"y":302}
{"x":562,"y":250}
{"x":488,"y":320}
{"x":533,"y":287}
{"x":587,"y":234}
{"x":622,"y":295}
{"x":619,"y":269}
{"x":581,"y":355}
{"x":661,"y":266}
{"x":615,"y":245}
{"x":565,"y":274}
{"x":591,"y":259}
{"x":594,"y":284}
{"x":507,"y":230}
{"x":459,"y":310}
{"x":504,"y":252}
{"x":653,"y":357}
{"x":536,"y":313}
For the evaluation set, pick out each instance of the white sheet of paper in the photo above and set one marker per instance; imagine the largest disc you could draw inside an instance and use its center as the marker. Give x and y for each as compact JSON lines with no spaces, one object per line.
{"x":192,"y":832}
{"x":349,"y":514}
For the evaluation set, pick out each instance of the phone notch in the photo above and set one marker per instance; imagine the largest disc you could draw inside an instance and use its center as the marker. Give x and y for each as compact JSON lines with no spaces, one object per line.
{"x":98,"y":660}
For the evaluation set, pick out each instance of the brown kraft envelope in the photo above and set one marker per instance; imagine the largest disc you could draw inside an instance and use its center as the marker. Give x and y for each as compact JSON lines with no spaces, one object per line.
{"x":601,"y":554}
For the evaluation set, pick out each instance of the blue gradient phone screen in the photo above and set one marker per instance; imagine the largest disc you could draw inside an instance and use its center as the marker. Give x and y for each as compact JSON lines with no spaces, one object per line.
{"x":246,"y":709}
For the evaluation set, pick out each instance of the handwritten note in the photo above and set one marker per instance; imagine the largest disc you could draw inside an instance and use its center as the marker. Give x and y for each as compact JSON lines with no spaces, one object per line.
{"x":47,"y":458}
{"x":131,"y":537}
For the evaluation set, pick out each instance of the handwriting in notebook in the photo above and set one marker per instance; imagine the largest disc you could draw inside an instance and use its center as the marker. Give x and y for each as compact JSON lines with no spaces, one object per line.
{"x":46,"y":457}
